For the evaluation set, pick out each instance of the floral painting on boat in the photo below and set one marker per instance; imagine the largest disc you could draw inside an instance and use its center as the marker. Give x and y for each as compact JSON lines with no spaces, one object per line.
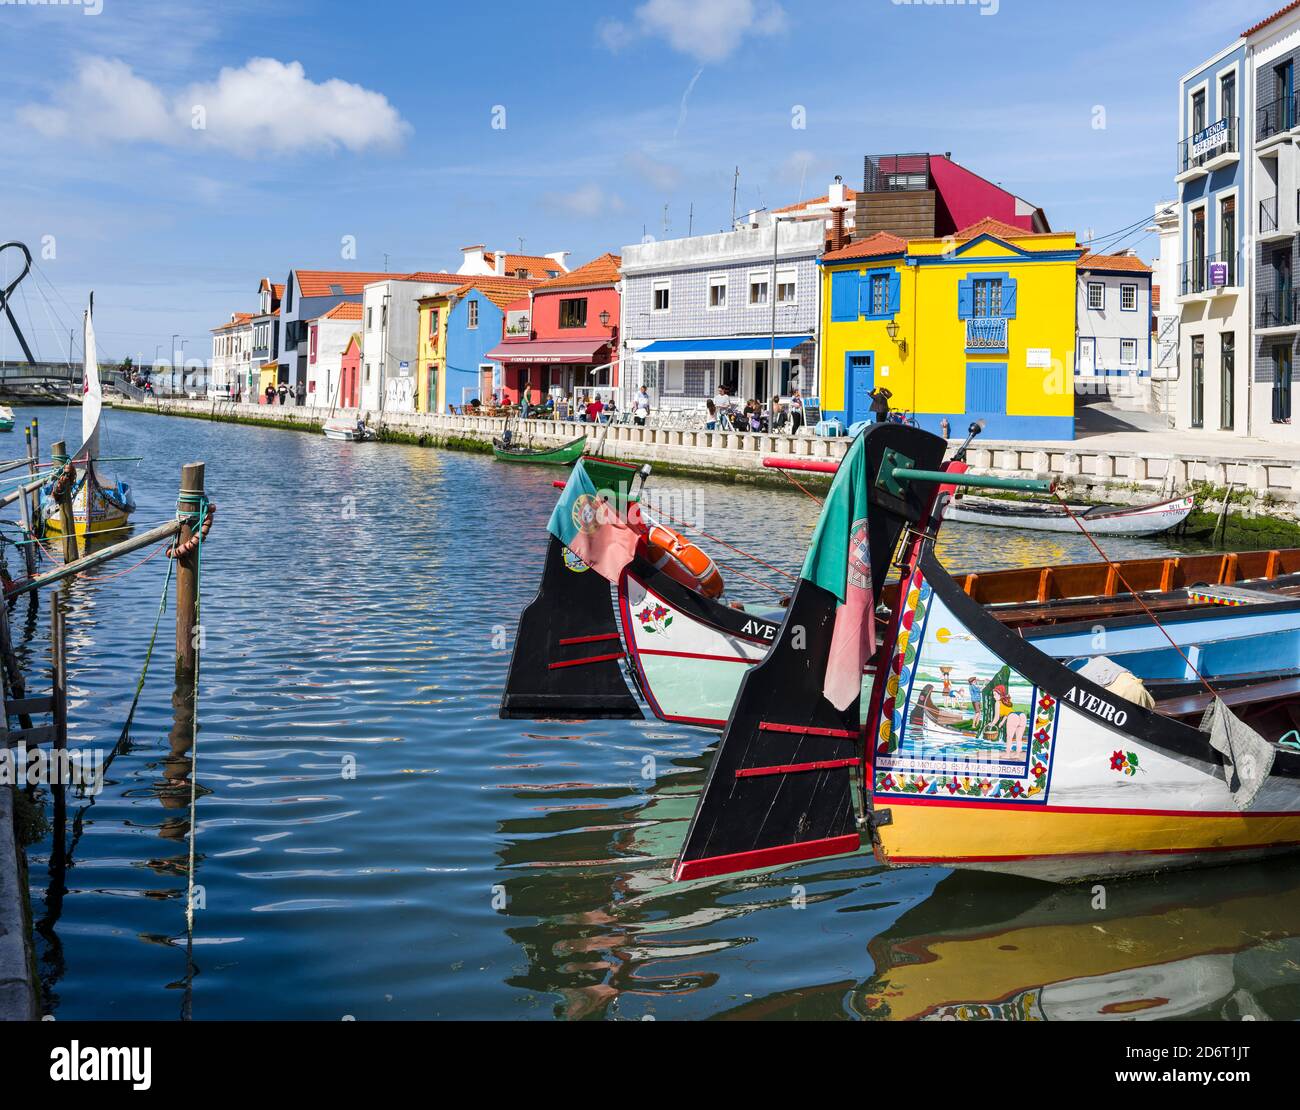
{"x":957,"y":722}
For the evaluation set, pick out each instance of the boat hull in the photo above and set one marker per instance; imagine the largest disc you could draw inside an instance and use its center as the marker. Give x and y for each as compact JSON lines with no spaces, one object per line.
{"x":92,"y":515}
{"x":1146,"y":520}
{"x":555,"y":456}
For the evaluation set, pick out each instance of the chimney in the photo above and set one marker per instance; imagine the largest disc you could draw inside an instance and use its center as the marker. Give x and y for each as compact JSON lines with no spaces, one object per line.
{"x":561,"y":259}
{"x":473,"y":261}
{"x":500,"y":260}
{"x":836,"y":197}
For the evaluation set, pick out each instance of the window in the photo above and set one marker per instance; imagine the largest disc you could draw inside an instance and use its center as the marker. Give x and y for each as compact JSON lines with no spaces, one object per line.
{"x":786,"y":286}
{"x":1227,"y":380}
{"x":675,"y":378}
{"x":573,"y":312}
{"x":1198,"y":381}
{"x":758,"y":289}
{"x":433,"y":329}
{"x":662,"y":296}
{"x":367,"y":371}
{"x":988,"y":297}
{"x":718,"y":291}
{"x":1282,"y":385}
{"x":1228,"y":95}
{"x":370,"y":318}
{"x":471,"y":314}
{"x":1128,"y":352}
{"x":879,"y":294}
{"x":1096,"y":296}
{"x":1128,"y":298}
{"x":729,"y":375}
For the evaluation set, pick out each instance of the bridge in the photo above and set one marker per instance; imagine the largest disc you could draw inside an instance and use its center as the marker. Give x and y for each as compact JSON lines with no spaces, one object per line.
{"x":38,"y":379}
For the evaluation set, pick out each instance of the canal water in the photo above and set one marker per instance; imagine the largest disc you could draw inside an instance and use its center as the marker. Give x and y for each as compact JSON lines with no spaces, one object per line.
{"x":373,"y":842}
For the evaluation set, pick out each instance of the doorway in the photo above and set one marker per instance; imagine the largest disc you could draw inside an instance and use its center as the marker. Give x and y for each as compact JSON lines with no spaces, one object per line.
{"x":859,"y":380}
{"x":1087,"y":355}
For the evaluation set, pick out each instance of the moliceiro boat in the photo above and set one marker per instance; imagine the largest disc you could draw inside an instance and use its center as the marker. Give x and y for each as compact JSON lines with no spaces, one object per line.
{"x":1049,"y":771}
{"x":97,"y":507}
{"x":1046,"y":516}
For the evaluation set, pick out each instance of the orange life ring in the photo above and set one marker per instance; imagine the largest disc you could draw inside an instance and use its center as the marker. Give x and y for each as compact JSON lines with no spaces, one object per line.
{"x":674,"y":554}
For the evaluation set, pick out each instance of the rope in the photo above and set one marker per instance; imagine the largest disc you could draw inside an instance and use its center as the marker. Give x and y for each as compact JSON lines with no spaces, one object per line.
{"x":1136,"y":596}
{"x":731,"y":569}
{"x":807,"y":493}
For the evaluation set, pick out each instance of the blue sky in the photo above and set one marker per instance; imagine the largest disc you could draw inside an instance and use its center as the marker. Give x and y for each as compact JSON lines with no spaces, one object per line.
{"x":375,"y":121}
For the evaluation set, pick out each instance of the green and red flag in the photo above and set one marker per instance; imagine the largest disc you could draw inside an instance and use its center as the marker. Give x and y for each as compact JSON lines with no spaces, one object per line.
{"x":589,"y":526}
{"x":839,"y":560}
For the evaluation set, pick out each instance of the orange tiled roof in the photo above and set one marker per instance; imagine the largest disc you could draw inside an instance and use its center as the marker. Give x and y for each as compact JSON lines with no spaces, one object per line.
{"x":1114,"y":262}
{"x":428,"y":278}
{"x":1275,"y":16}
{"x":539,"y":267}
{"x":997,"y":228}
{"x":872,"y":247}
{"x":320,"y":283}
{"x":501,"y":291}
{"x":240,"y":318}
{"x":849,"y":195}
{"x":344,"y":310}
{"x":599,"y":271}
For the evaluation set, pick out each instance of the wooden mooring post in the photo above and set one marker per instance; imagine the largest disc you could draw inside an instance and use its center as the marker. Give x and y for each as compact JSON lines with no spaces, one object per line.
{"x":58,"y":672}
{"x":187,"y":569}
{"x":71,"y":550}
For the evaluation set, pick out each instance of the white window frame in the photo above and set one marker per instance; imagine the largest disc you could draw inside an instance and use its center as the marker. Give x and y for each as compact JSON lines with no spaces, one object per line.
{"x":675,"y":379}
{"x":717,"y":281}
{"x":763,"y":278}
{"x":1101,"y":287}
{"x":1128,"y":344}
{"x":1124,"y":290}
{"x":665,"y":286}
{"x":787,"y":276}
{"x":471,"y":315}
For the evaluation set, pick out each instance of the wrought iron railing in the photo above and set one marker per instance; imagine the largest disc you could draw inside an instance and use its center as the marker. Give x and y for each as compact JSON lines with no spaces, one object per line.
{"x":1268,"y":215}
{"x":1218,"y":138}
{"x":986,"y":333}
{"x":1276,"y":116}
{"x":1278,"y":309}
{"x":1211,"y":272}
{"x":896,"y":173}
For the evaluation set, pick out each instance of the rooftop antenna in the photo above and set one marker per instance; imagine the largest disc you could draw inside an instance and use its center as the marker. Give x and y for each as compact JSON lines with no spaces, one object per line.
{"x":690,"y":221}
{"x":521,"y":244}
{"x":666,"y":224}
{"x":735,"y":183}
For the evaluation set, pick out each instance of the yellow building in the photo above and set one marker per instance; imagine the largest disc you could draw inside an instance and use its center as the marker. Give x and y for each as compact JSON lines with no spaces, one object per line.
{"x":431,"y":357}
{"x":980,"y":325}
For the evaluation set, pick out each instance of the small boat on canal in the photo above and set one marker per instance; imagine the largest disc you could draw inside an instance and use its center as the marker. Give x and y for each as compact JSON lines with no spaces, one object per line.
{"x":507,"y":450}
{"x":1048,"y":516}
{"x":1063,"y":766}
{"x":347,"y":429}
{"x":6,"y":419}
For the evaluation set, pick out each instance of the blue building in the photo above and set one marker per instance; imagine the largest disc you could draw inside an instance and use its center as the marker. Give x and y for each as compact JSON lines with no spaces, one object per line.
{"x":475,"y":325}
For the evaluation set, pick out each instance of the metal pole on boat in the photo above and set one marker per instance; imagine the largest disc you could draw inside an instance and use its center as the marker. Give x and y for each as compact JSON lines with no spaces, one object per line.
{"x":36,"y":443}
{"x":187,"y":569}
{"x":59,"y":454}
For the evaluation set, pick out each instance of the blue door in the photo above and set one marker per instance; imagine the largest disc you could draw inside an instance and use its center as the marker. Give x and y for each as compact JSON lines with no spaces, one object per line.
{"x":859,"y":380}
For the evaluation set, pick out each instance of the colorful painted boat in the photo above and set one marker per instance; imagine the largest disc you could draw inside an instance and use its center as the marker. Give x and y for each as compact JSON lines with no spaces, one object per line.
{"x":1047,"y":516}
{"x":98,"y":508}
{"x":6,"y":419}
{"x":1052,"y":775}
{"x":562,"y":455}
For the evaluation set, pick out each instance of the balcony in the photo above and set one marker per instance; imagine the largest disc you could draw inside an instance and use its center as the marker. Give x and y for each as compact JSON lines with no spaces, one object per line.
{"x":1209,"y":149}
{"x":1270,"y":228}
{"x":1275,"y":119}
{"x":1206,"y":277}
{"x":986,"y":335}
{"x":1277,"y":311}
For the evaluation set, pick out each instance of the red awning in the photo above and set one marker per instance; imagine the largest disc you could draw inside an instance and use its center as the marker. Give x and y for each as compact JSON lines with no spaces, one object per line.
{"x":579,"y":351}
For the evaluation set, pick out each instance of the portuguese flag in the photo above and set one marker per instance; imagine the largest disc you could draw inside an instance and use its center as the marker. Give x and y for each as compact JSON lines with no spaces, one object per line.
{"x":591,"y":528}
{"x":839,"y":561}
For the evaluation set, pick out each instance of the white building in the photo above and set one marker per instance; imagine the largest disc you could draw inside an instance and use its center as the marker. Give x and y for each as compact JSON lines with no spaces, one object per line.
{"x":327,"y":339}
{"x":1164,"y":309}
{"x":232,"y":352}
{"x":1113,"y":323}
{"x":390,"y":338}
{"x":478,"y":262}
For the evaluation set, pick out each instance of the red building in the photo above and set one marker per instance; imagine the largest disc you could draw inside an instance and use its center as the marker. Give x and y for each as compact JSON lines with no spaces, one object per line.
{"x":350,"y":380}
{"x":564,"y":337}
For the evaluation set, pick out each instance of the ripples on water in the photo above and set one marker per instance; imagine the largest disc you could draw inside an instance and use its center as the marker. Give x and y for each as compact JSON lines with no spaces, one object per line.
{"x":373,"y":841}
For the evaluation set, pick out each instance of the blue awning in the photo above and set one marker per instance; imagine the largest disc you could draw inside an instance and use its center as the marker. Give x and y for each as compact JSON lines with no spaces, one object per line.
{"x":753,"y":347}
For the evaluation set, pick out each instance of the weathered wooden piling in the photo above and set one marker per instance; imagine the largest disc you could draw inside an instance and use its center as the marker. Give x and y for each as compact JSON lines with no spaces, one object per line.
{"x":187,"y":568}
{"x":71,"y":549}
{"x":58,"y":672}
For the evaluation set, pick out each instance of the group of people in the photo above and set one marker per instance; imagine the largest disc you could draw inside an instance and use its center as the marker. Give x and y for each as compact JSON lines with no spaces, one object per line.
{"x":724,"y":412}
{"x":281,"y":393}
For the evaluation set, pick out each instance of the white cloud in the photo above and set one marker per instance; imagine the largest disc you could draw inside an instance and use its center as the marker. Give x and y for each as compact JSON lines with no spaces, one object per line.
{"x":707,"y":30}
{"x":586,"y":200}
{"x":263,"y":107}
{"x":662,"y":175}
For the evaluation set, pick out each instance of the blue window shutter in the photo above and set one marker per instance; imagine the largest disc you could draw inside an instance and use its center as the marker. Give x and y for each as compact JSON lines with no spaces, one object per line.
{"x":864,"y":295}
{"x":1009,"y":298}
{"x":986,"y":387}
{"x":965,"y":299}
{"x":844,"y":295}
{"x":894,"y":283}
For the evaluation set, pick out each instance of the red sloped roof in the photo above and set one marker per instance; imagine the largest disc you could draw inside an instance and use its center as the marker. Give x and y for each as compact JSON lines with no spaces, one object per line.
{"x":1113,"y":262}
{"x":850,"y":195}
{"x":1270,"y":19}
{"x":873,"y":246}
{"x":599,"y":271}
{"x":240,"y":318}
{"x":320,"y":283}
{"x":501,"y":291}
{"x":344,"y":310}
{"x":539,"y":267}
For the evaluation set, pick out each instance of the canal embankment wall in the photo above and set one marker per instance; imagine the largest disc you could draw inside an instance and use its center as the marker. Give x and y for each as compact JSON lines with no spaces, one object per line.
{"x":1122,"y":467}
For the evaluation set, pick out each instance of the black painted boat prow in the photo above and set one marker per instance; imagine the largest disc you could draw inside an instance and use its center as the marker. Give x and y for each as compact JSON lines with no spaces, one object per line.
{"x":568,"y":653}
{"x":782,"y":785}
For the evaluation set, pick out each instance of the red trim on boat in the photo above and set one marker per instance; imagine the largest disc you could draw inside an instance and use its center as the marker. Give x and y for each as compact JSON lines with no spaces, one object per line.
{"x":913,"y":800}
{"x":766,"y":857}
{"x":791,"y":768}
{"x":589,"y":659}
{"x":949,"y":860}
{"x":697,"y":655}
{"x":817,"y":466}
{"x":807,"y":730}
{"x":588,"y":639}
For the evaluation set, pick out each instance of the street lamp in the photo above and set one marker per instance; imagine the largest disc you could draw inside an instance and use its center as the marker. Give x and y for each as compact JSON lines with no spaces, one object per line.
{"x":891,"y":329}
